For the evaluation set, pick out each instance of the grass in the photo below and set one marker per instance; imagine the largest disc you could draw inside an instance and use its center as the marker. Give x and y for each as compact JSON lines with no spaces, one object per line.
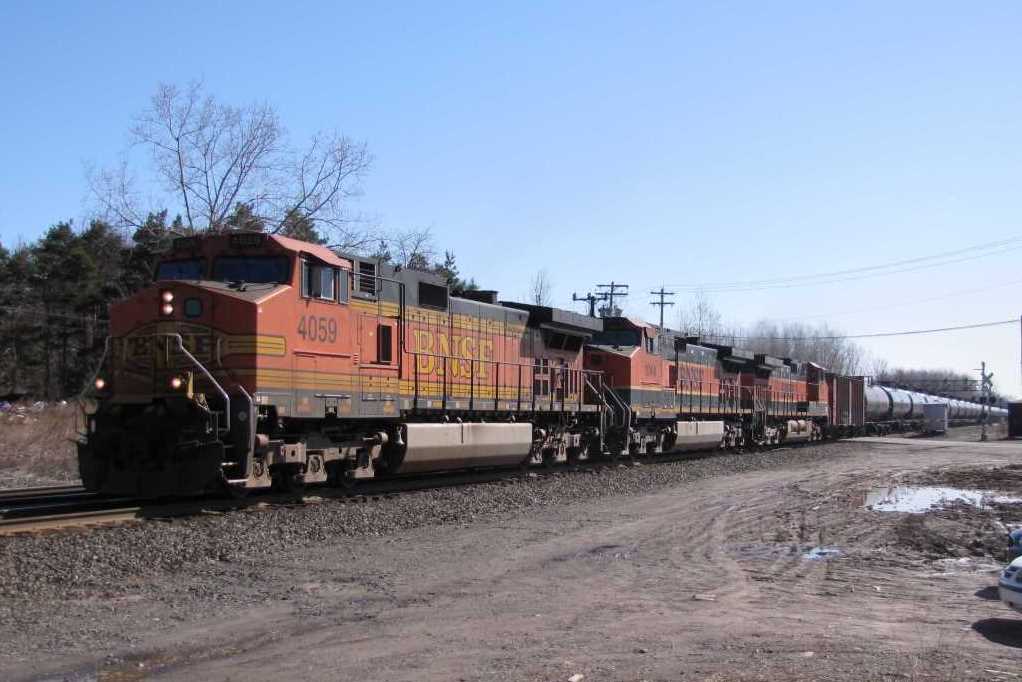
{"x":38,"y":442}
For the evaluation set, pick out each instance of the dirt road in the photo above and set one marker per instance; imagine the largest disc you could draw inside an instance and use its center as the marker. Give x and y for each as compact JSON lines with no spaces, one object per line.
{"x":714,"y":579}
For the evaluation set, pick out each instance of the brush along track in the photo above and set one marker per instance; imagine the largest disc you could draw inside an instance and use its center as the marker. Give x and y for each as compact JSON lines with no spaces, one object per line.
{"x":31,"y":512}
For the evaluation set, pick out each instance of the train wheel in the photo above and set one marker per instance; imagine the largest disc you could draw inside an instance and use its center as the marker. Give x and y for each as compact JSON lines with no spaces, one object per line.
{"x":549,"y":457}
{"x":288,"y":480}
{"x":577,"y":454}
{"x":337,"y":477}
{"x":232,"y":491}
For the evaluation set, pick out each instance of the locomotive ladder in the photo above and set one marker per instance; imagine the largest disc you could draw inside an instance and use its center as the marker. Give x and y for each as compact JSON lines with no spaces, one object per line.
{"x":612,"y":399}
{"x":222,"y":418}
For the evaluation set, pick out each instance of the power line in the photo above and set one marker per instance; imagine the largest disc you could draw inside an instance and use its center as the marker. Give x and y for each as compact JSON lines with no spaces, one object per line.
{"x":937,"y":330}
{"x":891,"y":268}
{"x":904,"y":304}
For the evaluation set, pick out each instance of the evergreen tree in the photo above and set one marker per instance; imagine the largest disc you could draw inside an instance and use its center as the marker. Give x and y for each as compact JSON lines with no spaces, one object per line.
{"x":449,"y":271}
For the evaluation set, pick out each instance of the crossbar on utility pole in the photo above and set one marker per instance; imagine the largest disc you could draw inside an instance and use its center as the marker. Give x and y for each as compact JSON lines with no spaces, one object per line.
{"x":615,"y":290}
{"x":661,"y":303}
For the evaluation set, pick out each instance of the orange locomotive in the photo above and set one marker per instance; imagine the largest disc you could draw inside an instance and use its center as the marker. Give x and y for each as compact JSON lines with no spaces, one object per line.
{"x":257,"y":361}
{"x":683,"y":394}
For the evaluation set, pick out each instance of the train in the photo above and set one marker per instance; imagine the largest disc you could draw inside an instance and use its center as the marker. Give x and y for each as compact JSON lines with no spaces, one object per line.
{"x":257,"y":361}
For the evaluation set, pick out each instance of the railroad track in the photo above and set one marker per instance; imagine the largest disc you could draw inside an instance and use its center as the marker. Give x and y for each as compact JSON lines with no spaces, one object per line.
{"x":35,"y":510}
{"x":42,"y":493}
{"x":28,"y":520}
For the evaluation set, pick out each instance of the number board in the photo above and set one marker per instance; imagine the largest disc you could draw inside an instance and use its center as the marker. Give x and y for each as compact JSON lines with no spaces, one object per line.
{"x":315,"y":328}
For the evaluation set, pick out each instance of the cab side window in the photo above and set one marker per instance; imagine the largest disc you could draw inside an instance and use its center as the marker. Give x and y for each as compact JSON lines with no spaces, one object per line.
{"x":320,"y":281}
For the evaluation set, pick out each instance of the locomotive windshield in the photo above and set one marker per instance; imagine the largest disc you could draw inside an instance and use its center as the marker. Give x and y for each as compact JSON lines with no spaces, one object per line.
{"x":252,"y":269}
{"x":180,"y":269}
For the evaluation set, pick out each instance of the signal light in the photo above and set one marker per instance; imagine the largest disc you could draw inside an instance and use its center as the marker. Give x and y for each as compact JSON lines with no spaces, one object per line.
{"x":176,"y":383}
{"x":168,"y":296}
{"x":100,"y":383}
{"x":167,"y":309}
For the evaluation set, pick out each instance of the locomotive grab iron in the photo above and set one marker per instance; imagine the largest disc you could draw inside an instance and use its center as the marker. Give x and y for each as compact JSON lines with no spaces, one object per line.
{"x":258,"y":361}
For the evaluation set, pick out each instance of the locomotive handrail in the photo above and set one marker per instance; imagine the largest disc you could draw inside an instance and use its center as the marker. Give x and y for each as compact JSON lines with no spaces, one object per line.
{"x":626,"y":411}
{"x":469,"y":383}
{"x":208,"y":375}
{"x":90,"y":388}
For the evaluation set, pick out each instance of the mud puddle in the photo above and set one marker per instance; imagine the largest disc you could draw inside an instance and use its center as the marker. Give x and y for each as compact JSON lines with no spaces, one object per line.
{"x":918,"y":499}
{"x":770,"y":551}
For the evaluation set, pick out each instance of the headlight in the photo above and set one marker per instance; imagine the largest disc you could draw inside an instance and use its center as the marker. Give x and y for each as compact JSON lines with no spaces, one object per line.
{"x":100,"y":383}
{"x":176,"y":383}
{"x":168,"y":296}
{"x":167,"y":309}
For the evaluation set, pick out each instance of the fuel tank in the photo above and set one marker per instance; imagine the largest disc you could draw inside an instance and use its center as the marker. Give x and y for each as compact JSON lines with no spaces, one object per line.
{"x":445,"y":447}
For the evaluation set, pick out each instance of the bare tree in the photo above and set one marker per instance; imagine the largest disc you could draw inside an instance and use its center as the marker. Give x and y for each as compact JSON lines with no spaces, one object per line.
{"x":541,"y":288}
{"x":211,"y":156}
{"x":321,"y":180}
{"x":700,"y":318}
{"x":114,"y":190}
{"x":814,"y":343}
{"x":943,"y":381}
{"x":413,"y":249}
{"x":879,"y":367}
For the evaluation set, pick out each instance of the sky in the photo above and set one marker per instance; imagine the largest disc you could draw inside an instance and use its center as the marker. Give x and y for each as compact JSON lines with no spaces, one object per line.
{"x":685,"y":144}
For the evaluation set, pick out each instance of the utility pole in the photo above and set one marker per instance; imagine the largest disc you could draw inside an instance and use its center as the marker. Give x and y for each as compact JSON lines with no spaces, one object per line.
{"x":614,"y":290}
{"x":987,"y":387}
{"x":591,"y":299}
{"x":661,"y":303}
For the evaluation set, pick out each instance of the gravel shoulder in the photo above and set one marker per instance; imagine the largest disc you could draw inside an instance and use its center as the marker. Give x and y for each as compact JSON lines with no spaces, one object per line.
{"x":699,"y":568}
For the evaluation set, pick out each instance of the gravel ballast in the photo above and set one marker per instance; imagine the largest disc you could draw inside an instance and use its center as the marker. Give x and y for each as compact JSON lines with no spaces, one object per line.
{"x":58,"y":591}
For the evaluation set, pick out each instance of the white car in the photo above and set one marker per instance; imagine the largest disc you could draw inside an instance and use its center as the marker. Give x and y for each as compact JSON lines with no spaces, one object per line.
{"x":1010,"y":584}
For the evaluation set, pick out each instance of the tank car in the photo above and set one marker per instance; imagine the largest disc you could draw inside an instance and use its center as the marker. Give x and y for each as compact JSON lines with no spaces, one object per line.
{"x":889,"y":408}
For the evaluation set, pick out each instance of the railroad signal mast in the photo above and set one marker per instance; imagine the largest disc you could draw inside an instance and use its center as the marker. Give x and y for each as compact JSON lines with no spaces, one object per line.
{"x":662,"y":303}
{"x":987,"y":387}
{"x":591,"y":299}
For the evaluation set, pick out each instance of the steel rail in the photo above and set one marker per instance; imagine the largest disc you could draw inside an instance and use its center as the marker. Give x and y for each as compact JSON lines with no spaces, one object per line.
{"x":41,"y":492}
{"x":25,"y":521}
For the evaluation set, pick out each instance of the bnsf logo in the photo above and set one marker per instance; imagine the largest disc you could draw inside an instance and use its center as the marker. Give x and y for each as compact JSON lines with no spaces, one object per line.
{"x":144,"y":349}
{"x":431,"y":345}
